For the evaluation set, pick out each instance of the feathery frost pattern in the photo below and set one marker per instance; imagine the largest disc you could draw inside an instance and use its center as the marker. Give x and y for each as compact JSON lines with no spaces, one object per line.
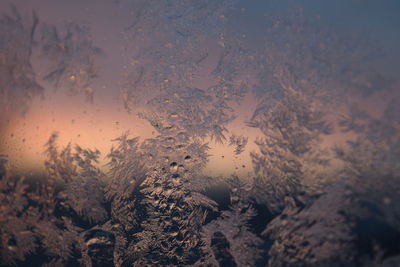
{"x":306,"y":202}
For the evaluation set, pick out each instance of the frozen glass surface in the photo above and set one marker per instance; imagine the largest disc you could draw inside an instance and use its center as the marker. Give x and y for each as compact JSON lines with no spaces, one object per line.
{"x":199,"y":133}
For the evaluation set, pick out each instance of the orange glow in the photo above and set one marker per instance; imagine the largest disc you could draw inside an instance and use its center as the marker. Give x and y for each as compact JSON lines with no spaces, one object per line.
{"x":96,"y":125}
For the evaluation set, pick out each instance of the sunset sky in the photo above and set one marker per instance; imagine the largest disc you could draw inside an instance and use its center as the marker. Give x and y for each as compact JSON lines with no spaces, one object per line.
{"x":94,"y":125}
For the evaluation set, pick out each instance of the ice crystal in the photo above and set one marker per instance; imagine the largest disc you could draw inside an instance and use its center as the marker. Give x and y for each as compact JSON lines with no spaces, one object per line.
{"x":332,"y":230}
{"x":377,"y":147}
{"x":28,"y":223}
{"x":18,"y":84}
{"x":239,"y":142}
{"x":169,"y":230}
{"x":154,"y":207}
{"x":83,"y":181}
{"x":17,"y":220}
{"x":183,"y":28}
{"x":71,"y":53}
{"x":242,"y":244}
{"x":301,"y":55}
{"x":289,"y":151}
{"x":199,"y":113}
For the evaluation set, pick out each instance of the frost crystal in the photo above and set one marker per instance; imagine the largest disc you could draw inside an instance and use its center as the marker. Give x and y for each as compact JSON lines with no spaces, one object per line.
{"x":239,"y":142}
{"x":71,"y":53}
{"x":18,"y":84}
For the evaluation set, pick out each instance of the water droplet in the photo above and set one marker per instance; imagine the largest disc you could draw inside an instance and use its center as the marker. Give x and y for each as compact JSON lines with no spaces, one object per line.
{"x":170,"y":140}
{"x":173,"y":115}
{"x":387,"y":201}
{"x":181,"y":168}
{"x":173,"y":167}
